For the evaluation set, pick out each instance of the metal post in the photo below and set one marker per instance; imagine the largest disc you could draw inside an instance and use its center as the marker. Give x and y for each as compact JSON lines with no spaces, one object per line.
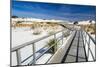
{"x":18,"y":57}
{"x":88,"y":46}
{"x":62,"y":37}
{"x":85,"y":37}
{"x":84,"y":45}
{"x":95,"y":53}
{"x":34,"y":58}
{"x":55,"y":46}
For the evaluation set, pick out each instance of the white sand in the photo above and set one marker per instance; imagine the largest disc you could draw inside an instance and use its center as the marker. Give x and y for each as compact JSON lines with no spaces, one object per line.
{"x":23,"y":35}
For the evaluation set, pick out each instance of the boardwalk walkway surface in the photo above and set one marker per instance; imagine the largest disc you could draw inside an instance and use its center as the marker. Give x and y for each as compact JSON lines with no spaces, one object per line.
{"x":76,"y":51}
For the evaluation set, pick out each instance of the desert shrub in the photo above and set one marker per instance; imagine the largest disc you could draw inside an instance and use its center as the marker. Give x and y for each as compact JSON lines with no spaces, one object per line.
{"x":37,"y":32}
{"x":93,"y":32}
{"x":33,"y":27}
{"x":52,"y":42}
{"x":19,"y":22}
{"x":51,"y":32}
{"x":66,"y":34}
{"x":90,"y":28}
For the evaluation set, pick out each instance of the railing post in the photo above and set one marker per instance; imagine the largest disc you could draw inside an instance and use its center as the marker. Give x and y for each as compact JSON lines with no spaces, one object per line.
{"x":85,"y":37}
{"x":82,"y":34}
{"x":34,"y":58}
{"x":18,"y":57}
{"x":95,"y":53}
{"x":62,"y":36}
{"x":55,"y":46}
{"x":88,"y":46}
{"x":88,"y":41}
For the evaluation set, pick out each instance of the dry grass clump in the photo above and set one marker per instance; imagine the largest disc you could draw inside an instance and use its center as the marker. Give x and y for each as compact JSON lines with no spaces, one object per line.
{"x":66,"y":33}
{"x":37,"y":32}
{"x":52,"y":42}
{"x":51,"y":32}
{"x":90,"y":28}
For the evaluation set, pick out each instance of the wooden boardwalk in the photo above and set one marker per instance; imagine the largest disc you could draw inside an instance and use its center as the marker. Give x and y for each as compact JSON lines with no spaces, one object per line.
{"x":76,"y":51}
{"x":73,"y":50}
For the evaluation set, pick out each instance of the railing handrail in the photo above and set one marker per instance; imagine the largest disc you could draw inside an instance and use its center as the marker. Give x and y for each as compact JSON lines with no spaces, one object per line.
{"x":88,"y":43}
{"x":40,"y":49}
{"x":33,"y":41}
{"x":91,"y":38}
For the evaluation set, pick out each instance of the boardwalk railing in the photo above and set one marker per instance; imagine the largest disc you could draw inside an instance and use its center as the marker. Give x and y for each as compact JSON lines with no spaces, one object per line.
{"x":90,"y":46}
{"x":37,"y":51}
{"x":59,"y":55}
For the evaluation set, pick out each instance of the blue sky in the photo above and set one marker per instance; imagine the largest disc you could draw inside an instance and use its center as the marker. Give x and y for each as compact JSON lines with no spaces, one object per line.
{"x":53,"y":11}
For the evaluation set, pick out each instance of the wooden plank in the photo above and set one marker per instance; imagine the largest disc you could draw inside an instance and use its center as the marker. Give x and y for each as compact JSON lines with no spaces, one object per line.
{"x":65,"y":56}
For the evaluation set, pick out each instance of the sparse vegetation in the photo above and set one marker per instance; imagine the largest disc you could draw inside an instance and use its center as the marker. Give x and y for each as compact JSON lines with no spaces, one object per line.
{"x":66,"y":34}
{"x":19,"y":22}
{"x":33,"y":27}
{"x":52,"y":42}
{"x":37,"y":32}
{"x":51,"y":32}
{"x":90,"y":28}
